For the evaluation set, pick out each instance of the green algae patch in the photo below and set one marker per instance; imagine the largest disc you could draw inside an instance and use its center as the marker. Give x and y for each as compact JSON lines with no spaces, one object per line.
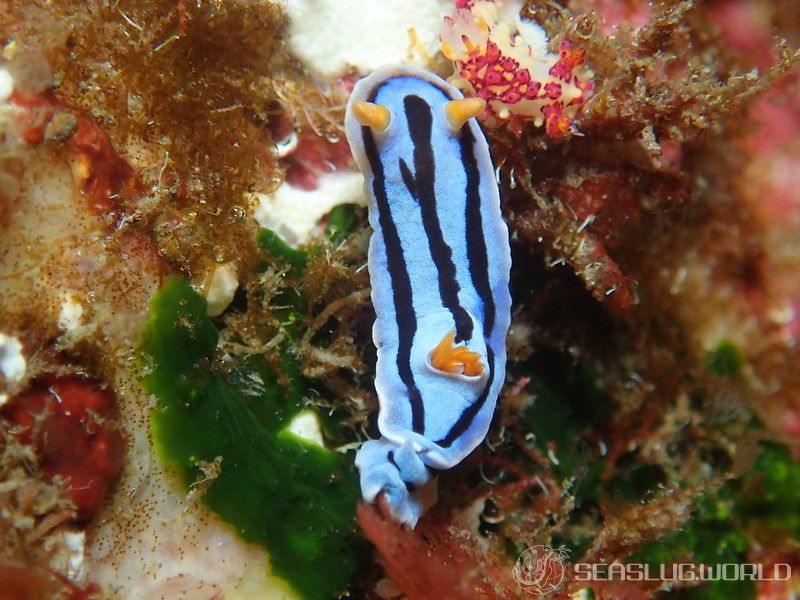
{"x":569,"y":399}
{"x":276,"y":489}
{"x":725,"y":360}
{"x":771,"y":497}
{"x":342,"y":221}
{"x":711,"y":537}
{"x":759,"y":507}
{"x":271,"y":243}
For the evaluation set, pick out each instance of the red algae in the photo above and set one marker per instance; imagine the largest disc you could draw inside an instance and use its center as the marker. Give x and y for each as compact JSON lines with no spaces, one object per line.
{"x":68,"y":419}
{"x":107,"y":178}
{"x":77,"y":592}
{"x":745,"y":27}
{"x":620,"y":13}
{"x":37,"y":112}
{"x":436,"y":560}
{"x":313,"y":157}
{"x":20,"y":582}
{"x":606,"y":203}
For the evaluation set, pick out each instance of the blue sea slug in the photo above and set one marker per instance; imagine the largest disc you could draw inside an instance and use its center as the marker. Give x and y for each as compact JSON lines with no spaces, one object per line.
{"x":439,"y":264}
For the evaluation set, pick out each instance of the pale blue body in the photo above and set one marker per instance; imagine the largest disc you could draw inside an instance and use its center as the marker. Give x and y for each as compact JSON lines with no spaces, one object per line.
{"x":397,"y":464}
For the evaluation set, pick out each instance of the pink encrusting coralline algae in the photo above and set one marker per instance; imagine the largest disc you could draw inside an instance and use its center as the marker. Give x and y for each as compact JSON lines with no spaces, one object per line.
{"x":520,"y":81}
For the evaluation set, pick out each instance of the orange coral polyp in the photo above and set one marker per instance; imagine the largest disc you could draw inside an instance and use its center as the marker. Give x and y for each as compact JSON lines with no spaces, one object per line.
{"x":456,"y":359}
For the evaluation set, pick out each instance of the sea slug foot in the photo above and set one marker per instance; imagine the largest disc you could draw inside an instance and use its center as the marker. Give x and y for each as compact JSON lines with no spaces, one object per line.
{"x":398,"y":473}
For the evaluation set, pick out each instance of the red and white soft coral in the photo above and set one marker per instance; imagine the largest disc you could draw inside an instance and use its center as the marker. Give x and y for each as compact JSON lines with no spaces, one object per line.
{"x":507,"y":64}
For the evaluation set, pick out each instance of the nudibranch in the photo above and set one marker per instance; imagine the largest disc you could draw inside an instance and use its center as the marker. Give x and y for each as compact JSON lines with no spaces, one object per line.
{"x":439,"y":263}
